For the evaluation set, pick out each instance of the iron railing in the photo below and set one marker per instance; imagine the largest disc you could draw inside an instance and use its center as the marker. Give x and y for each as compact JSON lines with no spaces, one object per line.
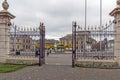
{"x":26,"y":42}
{"x":94,"y":42}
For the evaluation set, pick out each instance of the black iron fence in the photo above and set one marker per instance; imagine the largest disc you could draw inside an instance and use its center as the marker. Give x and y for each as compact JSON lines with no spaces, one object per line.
{"x":27,"y":42}
{"x":27,"y":54}
{"x":93,"y":42}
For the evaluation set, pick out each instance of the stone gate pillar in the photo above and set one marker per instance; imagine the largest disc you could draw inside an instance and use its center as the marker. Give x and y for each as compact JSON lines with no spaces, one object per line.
{"x":116,"y":14}
{"x":5,"y":18}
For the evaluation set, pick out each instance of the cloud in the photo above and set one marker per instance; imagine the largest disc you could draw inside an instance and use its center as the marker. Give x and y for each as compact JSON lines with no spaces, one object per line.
{"x":58,"y":14}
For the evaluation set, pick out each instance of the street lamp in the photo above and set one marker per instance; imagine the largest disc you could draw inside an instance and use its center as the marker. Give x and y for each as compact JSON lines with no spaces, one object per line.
{"x":100,"y":23}
{"x":84,"y":46}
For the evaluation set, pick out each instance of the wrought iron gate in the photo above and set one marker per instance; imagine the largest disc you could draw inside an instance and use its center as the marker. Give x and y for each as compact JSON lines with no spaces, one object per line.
{"x":28,"y":43}
{"x":93,"y":42}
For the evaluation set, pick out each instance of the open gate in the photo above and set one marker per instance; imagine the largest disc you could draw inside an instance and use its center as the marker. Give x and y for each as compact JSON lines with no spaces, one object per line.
{"x":93,"y":43}
{"x":27,"y":45}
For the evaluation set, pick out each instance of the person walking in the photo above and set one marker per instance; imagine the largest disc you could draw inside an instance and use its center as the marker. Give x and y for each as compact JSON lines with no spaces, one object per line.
{"x":36,"y":52}
{"x":48,"y":52}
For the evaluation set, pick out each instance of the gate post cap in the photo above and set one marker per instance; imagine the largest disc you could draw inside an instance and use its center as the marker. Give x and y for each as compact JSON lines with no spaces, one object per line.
{"x":5,"y":5}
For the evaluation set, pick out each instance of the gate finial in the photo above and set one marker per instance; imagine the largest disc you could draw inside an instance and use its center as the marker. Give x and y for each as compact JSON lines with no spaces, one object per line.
{"x":118,"y":3}
{"x":5,"y":5}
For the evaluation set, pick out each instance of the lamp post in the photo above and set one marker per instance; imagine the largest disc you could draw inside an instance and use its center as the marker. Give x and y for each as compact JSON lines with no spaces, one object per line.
{"x":100,"y":23}
{"x":84,"y":46}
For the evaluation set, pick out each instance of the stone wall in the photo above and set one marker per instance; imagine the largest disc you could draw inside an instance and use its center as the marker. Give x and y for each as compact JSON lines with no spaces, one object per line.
{"x":97,"y":63}
{"x":27,"y":61}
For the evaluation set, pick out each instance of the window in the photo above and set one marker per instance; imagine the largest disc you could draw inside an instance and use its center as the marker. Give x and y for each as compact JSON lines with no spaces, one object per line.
{"x":29,"y":41}
{"x":26,"y":47}
{"x":29,"y":47}
{"x":18,"y":40}
{"x":23,"y":40}
{"x":23,"y":46}
{"x":18,"y":47}
{"x":26,"y":41}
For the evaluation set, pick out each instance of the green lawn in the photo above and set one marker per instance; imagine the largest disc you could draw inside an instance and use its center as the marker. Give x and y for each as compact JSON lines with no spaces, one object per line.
{"x":5,"y":68}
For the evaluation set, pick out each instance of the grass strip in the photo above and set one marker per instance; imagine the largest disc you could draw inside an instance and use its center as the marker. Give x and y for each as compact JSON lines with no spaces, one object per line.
{"x":6,"y":68}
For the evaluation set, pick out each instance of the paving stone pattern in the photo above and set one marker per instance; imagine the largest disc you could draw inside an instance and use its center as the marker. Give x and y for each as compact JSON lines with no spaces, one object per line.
{"x":60,"y":71}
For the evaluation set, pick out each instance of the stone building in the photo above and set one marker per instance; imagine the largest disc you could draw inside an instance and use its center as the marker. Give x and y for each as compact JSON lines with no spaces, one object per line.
{"x":26,"y":38}
{"x":50,"y":43}
{"x":23,"y":43}
{"x":80,"y":40}
{"x":111,"y":45}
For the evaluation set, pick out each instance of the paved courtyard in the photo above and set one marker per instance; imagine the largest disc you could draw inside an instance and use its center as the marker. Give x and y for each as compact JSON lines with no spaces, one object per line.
{"x":59,"y":59}
{"x":57,"y":69}
{"x":61,"y":72}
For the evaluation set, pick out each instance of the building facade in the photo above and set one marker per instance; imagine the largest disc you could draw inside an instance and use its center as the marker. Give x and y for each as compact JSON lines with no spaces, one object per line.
{"x":82,"y":41}
{"x":22,"y":43}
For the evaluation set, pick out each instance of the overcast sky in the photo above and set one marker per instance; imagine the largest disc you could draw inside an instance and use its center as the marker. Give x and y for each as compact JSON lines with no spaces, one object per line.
{"x":58,"y":14}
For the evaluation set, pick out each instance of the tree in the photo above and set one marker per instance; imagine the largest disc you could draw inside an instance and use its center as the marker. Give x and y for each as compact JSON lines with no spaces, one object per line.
{"x":48,"y":46}
{"x":37,"y":45}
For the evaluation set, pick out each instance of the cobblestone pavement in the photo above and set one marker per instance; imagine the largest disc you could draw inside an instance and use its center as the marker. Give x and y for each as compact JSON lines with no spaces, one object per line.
{"x":59,"y":59}
{"x":61,"y":72}
{"x":58,"y":67}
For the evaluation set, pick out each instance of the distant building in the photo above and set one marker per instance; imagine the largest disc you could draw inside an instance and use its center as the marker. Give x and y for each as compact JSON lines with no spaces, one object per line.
{"x":50,"y":43}
{"x":80,"y":40}
{"x":23,"y":43}
{"x":111,"y":45}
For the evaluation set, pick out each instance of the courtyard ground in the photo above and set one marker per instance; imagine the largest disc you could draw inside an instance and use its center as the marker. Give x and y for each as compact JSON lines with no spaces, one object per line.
{"x":61,"y":72}
{"x":57,"y":69}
